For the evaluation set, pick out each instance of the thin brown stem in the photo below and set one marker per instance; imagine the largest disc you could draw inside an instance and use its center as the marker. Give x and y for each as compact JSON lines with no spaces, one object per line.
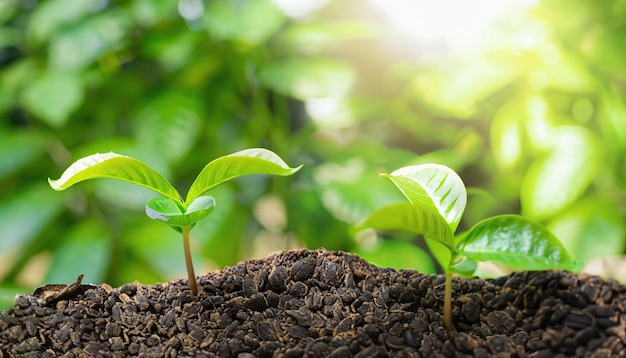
{"x":190,"y":272}
{"x":447,"y":304}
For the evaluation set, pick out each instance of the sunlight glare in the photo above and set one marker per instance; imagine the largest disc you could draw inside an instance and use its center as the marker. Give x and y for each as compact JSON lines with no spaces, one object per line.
{"x":453,"y":24}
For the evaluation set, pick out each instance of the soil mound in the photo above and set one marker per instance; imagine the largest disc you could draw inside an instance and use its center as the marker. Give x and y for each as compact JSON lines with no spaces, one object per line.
{"x":323,"y":304}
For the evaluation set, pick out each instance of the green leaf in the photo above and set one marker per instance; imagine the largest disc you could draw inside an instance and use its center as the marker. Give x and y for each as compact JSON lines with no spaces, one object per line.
{"x":351,"y":189}
{"x":553,"y":183}
{"x":115,"y":166}
{"x":464,"y":267}
{"x":517,"y":242}
{"x":593,"y":227}
{"x":399,"y":255}
{"x":172,"y":213}
{"x":86,"y":249}
{"x":319,"y":34}
{"x":406,"y":216}
{"x":433,"y":188}
{"x":53,"y":96}
{"x":441,"y":253}
{"x":26,"y":213}
{"x":18,"y":149}
{"x":168,"y":125}
{"x":88,"y":40}
{"x":309,"y":78}
{"x":251,"y":22}
{"x":245,"y":162}
{"x":507,"y":134}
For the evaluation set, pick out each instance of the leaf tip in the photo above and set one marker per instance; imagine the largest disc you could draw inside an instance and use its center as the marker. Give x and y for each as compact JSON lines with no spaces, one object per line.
{"x":54,"y":184}
{"x":296,"y":169}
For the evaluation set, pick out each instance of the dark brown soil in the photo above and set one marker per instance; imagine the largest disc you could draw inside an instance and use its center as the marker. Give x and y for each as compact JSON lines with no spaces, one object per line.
{"x":324,"y":304}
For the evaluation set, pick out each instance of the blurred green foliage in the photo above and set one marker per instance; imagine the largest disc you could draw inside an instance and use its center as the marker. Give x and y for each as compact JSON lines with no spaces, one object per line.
{"x":532,"y":117}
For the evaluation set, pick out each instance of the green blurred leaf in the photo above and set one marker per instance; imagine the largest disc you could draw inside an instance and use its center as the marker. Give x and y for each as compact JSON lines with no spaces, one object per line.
{"x":434,"y":188}
{"x":172,"y":213}
{"x":52,"y":15}
{"x":613,"y":113}
{"x":25,"y":213}
{"x":160,"y":251}
{"x":309,"y":78}
{"x":457,"y":89}
{"x":313,"y":35}
{"x":593,"y":227}
{"x":86,"y":249}
{"x":507,"y":135}
{"x":221,"y":217}
{"x":251,"y":22}
{"x":79,"y":46}
{"x":173,"y":50}
{"x":441,"y":253}
{"x":225,"y":244}
{"x":553,"y":183}
{"x":350,"y":190}
{"x":53,"y":96}
{"x":465,"y":267}
{"x":398,"y":255}
{"x":245,"y":162}
{"x":517,"y":242}
{"x":568,"y":74}
{"x":7,"y":296}
{"x":115,"y":166}
{"x":168,"y":125}
{"x":149,"y":13}
{"x":18,"y":149}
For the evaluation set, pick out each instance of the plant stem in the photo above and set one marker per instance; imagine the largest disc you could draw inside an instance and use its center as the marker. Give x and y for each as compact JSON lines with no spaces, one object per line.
{"x":447,"y":304}
{"x":190,"y":272}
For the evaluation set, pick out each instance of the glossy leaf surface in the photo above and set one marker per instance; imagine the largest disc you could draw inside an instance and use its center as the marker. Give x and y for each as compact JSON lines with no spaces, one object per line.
{"x":115,"y":166}
{"x":245,"y":162}
{"x":406,"y":216}
{"x":172,"y":213}
{"x":516,"y":242}
{"x":433,"y":188}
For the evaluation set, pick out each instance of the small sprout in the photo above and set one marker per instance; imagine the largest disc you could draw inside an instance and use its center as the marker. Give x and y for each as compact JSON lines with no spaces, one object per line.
{"x":437,"y":199}
{"x":171,"y":209}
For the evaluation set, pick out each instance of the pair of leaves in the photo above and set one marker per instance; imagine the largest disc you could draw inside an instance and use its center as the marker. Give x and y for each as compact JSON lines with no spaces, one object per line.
{"x":437,"y":199}
{"x":171,"y":209}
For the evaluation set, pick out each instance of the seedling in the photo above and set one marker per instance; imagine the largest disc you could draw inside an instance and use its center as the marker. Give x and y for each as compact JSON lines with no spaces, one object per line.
{"x":171,"y":209}
{"x":437,"y":199}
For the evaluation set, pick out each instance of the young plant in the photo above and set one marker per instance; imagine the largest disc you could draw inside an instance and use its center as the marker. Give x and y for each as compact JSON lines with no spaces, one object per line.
{"x":171,"y":209}
{"x":437,"y":199}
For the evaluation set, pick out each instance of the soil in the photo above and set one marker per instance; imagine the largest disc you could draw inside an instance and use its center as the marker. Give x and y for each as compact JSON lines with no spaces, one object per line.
{"x":322,"y":304}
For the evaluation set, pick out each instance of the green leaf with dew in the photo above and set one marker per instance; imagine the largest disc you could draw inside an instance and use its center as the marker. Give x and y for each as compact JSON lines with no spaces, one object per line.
{"x":172,"y":213}
{"x":516,"y":242}
{"x":245,"y":162}
{"x":115,"y":166}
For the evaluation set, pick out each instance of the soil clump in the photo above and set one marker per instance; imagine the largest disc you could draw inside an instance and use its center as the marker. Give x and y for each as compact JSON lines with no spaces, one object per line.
{"x":320,"y":303}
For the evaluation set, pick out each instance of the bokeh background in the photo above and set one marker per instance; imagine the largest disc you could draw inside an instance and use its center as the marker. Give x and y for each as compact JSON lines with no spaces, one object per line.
{"x":525,"y":99}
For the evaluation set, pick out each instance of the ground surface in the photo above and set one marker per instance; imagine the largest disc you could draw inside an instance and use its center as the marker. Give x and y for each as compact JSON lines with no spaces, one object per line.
{"x":324,"y":304}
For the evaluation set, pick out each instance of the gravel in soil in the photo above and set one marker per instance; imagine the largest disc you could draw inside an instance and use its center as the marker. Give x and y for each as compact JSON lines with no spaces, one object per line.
{"x":323,"y":304}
